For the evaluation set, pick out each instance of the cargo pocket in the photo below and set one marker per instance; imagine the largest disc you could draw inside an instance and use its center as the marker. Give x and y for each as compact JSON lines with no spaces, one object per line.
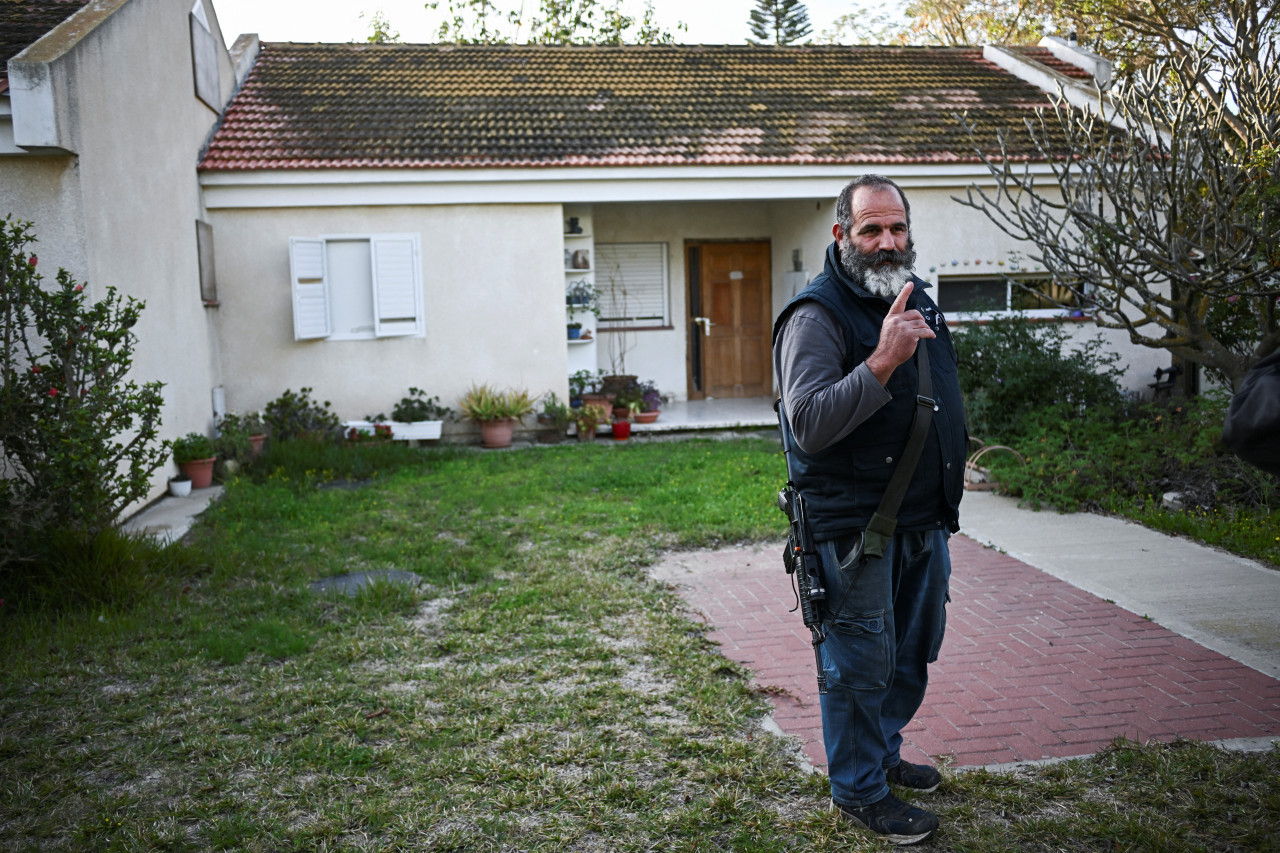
{"x":856,"y":652}
{"x":939,"y":629}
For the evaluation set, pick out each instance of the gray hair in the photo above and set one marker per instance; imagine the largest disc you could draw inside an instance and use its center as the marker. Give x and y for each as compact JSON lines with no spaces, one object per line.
{"x":844,"y":201}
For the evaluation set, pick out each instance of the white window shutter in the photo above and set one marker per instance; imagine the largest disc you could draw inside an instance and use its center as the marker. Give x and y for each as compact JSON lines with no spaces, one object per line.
{"x":397,"y":292}
{"x":310,"y":289}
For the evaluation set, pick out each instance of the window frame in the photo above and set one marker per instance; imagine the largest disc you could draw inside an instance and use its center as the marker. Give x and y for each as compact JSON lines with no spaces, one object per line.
{"x":607,"y":323}
{"x":311,"y":286}
{"x":1009,"y":281}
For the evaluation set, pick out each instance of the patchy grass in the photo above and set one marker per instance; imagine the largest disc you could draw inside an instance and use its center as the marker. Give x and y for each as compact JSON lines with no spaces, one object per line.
{"x":537,"y":692}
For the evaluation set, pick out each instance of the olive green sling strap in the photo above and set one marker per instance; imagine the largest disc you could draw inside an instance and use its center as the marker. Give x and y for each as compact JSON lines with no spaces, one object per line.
{"x":885,"y":520}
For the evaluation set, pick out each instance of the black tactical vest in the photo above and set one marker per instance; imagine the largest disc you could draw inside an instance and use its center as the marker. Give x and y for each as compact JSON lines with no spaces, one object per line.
{"x":842,"y":484}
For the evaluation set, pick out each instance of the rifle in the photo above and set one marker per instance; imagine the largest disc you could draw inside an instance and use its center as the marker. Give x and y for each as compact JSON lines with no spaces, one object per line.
{"x":800,"y":558}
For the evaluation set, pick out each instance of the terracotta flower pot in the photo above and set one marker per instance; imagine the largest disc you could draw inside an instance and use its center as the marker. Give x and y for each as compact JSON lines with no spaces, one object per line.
{"x":255,"y":442}
{"x":494,"y":434}
{"x":200,"y":471}
{"x":646,"y":417}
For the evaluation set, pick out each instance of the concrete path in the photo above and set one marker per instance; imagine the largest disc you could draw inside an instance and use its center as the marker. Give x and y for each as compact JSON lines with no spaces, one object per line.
{"x":1071,"y":631}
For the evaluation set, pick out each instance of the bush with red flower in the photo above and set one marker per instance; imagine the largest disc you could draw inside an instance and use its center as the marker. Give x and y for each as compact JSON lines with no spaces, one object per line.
{"x":78,"y":438}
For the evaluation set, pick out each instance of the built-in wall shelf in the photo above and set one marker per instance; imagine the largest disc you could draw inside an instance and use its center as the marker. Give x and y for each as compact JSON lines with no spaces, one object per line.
{"x":582,"y":353}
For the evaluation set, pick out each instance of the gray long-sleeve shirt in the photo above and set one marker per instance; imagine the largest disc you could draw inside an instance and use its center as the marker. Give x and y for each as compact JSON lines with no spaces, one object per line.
{"x":823,"y":403}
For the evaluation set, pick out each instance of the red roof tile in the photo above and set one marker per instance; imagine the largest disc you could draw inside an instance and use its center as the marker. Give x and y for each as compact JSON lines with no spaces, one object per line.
{"x":318,"y":106}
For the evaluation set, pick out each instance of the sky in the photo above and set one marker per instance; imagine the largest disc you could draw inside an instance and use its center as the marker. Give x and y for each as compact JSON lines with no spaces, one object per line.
{"x":709,"y":21}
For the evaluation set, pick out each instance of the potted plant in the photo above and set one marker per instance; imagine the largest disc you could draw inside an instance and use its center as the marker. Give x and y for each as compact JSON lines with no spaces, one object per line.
{"x":621,"y":428}
{"x":581,"y":384}
{"x":233,"y":445}
{"x":553,"y":419}
{"x":650,"y":402}
{"x":581,"y":296}
{"x":587,"y":418}
{"x":575,"y":331}
{"x":180,"y":486}
{"x":495,"y":411}
{"x":627,"y":399}
{"x":195,"y":456}
{"x":416,"y":417}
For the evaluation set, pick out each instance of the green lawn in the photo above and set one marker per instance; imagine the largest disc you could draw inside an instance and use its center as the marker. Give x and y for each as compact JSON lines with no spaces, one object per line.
{"x":538,"y":692}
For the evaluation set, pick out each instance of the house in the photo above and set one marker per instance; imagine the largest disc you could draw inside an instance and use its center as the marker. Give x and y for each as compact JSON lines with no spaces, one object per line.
{"x":105,"y":107}
{"x":397,"y":215}
{"x":360,"y":219}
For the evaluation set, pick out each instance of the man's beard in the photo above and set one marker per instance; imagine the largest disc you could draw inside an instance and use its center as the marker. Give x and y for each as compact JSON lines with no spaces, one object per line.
{"x":886,"y":281}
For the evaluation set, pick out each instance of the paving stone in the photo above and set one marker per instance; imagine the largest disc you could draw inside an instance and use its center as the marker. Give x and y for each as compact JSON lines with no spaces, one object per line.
{"x":1061,"y":677}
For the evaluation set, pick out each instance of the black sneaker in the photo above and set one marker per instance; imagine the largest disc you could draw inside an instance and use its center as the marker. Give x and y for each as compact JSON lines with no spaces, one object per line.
{"x":917,"y":777}
{"x":891,"y":818}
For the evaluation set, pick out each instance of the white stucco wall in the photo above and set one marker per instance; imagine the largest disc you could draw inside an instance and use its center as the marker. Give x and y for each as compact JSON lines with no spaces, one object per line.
{"x":944,"y":232}
{"x":120,"y":208}
{"x":493,"y":286}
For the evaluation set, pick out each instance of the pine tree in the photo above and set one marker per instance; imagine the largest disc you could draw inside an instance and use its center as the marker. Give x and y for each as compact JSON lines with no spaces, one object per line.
{"x":779,"y":22}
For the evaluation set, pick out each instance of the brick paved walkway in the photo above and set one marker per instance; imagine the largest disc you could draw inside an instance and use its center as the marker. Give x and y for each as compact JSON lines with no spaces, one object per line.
{"x":1031,"y":666}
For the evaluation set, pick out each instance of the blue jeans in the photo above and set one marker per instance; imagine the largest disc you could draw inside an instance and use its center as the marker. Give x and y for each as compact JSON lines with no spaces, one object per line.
{"x":884,"y":619}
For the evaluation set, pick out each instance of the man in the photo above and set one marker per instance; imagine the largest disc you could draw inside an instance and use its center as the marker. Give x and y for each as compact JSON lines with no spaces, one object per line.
{"x":845,"y":357}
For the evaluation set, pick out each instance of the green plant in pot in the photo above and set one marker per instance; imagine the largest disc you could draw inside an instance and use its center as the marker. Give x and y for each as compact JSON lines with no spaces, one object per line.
{"x":195,"y":455}
{"x":583,"y":383}
{"x":419,"y":407}
{"x":234,"y":443}
{"x":495,"y":411}
{"x":553,"y":418}
{"x":650,"y":402}
{"x":587,"y":418}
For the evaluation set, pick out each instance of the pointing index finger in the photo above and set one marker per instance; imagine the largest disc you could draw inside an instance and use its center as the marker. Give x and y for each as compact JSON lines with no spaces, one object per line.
{"x":900,"y":304}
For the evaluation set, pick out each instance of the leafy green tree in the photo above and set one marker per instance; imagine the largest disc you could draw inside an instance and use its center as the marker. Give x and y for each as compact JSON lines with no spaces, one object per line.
{"x":779,"y":22}
{"x":380,"y":29}
{"x":1169,"y":227}
{"x":78,"y":439}
{"x":554,"y":22}
{"x":473,"y":22}
{"x":947,"y":22}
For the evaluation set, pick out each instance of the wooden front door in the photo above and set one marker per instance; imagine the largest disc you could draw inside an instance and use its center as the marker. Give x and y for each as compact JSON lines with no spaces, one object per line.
{"x":730,"y":301}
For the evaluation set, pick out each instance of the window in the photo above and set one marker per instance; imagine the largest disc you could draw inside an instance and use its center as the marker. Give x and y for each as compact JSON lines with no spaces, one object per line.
{"x":632,"y":280}
{"x":204,"y":252}
{"x":356,"y":287}
{"x":204,"y":58}
{"x":993,"y":294}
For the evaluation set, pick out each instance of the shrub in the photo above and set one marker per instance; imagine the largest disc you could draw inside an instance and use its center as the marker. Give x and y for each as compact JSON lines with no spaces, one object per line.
{"x":1138,"y":450}
{"x":191,"y":447}
{"x":293,"y":416}
{"x":1011,"y":367}
{"x":233,"y":436}
{"x":79,"y":439}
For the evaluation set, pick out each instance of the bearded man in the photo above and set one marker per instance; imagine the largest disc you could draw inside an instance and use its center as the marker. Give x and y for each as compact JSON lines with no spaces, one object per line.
{"x":845,"y":354}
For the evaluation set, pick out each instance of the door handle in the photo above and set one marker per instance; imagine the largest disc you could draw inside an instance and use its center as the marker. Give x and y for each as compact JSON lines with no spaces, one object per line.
{"x":706,"y":324}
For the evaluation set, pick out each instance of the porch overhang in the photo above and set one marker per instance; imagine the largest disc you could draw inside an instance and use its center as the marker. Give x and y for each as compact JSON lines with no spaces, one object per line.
{"x":410,"y":187}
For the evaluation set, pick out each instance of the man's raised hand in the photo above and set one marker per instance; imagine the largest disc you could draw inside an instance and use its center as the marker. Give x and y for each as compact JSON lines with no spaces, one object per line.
{"x":899,"y":334}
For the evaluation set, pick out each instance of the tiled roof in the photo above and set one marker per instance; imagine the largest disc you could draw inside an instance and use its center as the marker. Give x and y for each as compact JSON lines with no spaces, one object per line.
{"x":317,"y":106}
{"x":23,"y":22}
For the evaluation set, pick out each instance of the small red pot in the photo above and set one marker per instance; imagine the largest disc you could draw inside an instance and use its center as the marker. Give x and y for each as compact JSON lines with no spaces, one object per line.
{"x":622,"y":430}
